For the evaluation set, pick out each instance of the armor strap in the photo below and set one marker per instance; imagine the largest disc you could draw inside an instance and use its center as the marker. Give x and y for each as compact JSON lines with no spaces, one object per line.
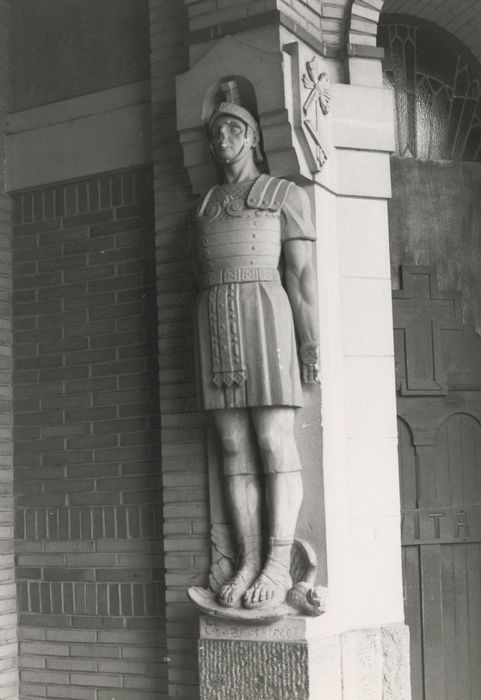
{"x":204,"y":202}
{"x":268,"y":193}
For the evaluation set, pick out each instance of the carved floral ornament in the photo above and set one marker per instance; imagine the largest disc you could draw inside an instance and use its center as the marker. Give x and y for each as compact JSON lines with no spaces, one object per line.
{"x":316,"y":105}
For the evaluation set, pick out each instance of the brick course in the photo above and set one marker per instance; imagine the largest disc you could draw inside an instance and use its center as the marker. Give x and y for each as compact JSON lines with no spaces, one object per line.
{"x":59,"y":663}
{"x":8,"y":617}
{"x":87,"y":440}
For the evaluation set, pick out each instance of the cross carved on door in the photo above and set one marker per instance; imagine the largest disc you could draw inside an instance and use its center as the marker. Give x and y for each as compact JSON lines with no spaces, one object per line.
{"x":420,"y":311}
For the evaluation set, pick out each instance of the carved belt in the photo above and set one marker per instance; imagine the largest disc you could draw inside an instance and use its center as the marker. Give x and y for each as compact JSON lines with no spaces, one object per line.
{"x":242,"y":274}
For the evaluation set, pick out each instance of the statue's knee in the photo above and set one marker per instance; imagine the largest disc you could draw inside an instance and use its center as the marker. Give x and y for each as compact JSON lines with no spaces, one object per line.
{"x":270,"y":445}
{"x":231,"y":444}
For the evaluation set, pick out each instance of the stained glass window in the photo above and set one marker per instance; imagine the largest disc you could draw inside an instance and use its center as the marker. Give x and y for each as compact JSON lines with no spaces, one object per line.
{"x":437,"y":87}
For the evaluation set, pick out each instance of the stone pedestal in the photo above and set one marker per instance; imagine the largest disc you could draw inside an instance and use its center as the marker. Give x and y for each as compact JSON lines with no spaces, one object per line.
{"x":292,"y":659}
{"x":280,"y":661}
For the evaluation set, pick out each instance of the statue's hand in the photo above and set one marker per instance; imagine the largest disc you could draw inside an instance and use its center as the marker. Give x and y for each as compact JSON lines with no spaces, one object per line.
{"x":309,"y":356}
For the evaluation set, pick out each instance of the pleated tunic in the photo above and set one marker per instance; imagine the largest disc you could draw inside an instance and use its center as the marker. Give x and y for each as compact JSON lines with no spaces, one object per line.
{"x":245,"y":344}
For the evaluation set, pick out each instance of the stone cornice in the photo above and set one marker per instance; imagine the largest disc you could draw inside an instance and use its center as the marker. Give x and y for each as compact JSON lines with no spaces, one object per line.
{"x":275,"y":17}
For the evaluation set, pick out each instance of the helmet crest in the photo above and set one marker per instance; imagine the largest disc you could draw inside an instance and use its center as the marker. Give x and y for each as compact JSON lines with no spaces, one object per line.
{"x":232,"y":107}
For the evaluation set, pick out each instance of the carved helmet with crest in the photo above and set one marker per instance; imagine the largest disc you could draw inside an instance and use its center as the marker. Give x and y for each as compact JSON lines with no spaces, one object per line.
{"x":231,"y":106}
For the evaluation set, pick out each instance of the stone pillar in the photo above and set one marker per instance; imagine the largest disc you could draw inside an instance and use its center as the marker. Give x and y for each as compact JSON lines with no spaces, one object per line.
{"x":359,"y":648}
{"x":361,"y":479}
{"x":360,"y":433}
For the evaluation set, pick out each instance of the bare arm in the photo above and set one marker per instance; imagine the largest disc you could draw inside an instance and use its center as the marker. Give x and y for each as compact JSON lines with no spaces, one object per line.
{"x":301,"y":289}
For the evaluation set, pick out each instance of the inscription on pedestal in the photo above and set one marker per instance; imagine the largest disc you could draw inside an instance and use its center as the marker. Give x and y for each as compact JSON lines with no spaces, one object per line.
{"x":250,"y":633}
{"x":290,"y":629}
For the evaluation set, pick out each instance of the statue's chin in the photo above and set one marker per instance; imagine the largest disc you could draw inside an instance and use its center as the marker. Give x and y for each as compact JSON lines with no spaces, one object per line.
{"x":223,"y":158}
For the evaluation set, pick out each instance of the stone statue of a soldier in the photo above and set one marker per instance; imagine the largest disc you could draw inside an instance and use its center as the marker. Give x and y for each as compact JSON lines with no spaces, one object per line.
{"x":248,"y":371}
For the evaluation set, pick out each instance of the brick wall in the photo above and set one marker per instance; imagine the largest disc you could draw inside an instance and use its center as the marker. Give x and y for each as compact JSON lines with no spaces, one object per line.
{"x":8,"y":617}
{"x":184,"y":462}
{"x":87,"y":438}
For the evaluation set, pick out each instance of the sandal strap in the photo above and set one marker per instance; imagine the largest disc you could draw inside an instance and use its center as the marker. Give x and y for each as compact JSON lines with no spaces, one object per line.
{"x":279,"y":542}
{"x":272,"y":576}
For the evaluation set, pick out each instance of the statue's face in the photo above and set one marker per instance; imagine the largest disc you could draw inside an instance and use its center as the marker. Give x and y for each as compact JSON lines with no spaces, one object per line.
{"x":231,"y":139}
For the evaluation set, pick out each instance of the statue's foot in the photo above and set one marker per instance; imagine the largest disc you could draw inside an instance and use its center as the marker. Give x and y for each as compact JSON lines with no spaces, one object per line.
{"x":269,"y":588}
{"x":231,"y":593}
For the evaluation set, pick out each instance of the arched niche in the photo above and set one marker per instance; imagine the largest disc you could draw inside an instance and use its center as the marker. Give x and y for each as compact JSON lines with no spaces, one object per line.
{"x":458,"y":463}
{"x":266,"y":84}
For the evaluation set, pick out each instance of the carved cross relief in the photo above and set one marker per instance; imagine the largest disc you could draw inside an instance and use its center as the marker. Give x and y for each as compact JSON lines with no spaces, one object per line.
{"x":316,"y":105}
{"x":421,"y":311}
{"x":308,"y":103}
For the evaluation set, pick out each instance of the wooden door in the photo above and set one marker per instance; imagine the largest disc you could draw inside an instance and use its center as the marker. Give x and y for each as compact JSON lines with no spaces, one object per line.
{"x":439,"y":404}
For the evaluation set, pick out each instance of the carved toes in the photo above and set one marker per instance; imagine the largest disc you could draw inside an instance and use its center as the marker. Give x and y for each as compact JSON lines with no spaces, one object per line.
{"x":265,"y":592}
{"x":231,"y":593}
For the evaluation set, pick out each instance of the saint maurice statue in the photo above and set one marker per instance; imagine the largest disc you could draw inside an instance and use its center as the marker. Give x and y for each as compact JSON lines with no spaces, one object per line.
{"x":256,"y":340}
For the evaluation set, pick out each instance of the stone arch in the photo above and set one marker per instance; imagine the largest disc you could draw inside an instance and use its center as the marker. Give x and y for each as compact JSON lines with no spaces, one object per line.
{"x":436,"y":81}
{"x":363,"y":19}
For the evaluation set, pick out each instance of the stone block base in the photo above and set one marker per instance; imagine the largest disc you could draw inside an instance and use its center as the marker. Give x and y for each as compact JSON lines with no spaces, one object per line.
{"x":265,"y":671}
{"x":289,"y":661}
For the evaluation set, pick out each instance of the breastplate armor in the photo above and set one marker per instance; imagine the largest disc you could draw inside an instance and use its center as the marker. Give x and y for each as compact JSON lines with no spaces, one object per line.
{"x":239,"y":225}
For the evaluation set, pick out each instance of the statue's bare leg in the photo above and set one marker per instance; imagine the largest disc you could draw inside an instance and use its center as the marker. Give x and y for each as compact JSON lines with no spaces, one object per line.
{"x":275,"y":433}
{"x":243,"y":493}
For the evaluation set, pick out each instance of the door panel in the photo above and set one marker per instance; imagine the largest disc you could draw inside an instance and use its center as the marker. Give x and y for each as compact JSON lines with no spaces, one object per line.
{"x":442,"y":558}
{"x":439,"y":432}
{"x":413,"y":615}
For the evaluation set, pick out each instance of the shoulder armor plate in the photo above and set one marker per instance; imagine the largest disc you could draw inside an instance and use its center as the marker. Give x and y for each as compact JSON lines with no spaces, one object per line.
{"x":200,"y":208}
{"x":268,"y":193}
